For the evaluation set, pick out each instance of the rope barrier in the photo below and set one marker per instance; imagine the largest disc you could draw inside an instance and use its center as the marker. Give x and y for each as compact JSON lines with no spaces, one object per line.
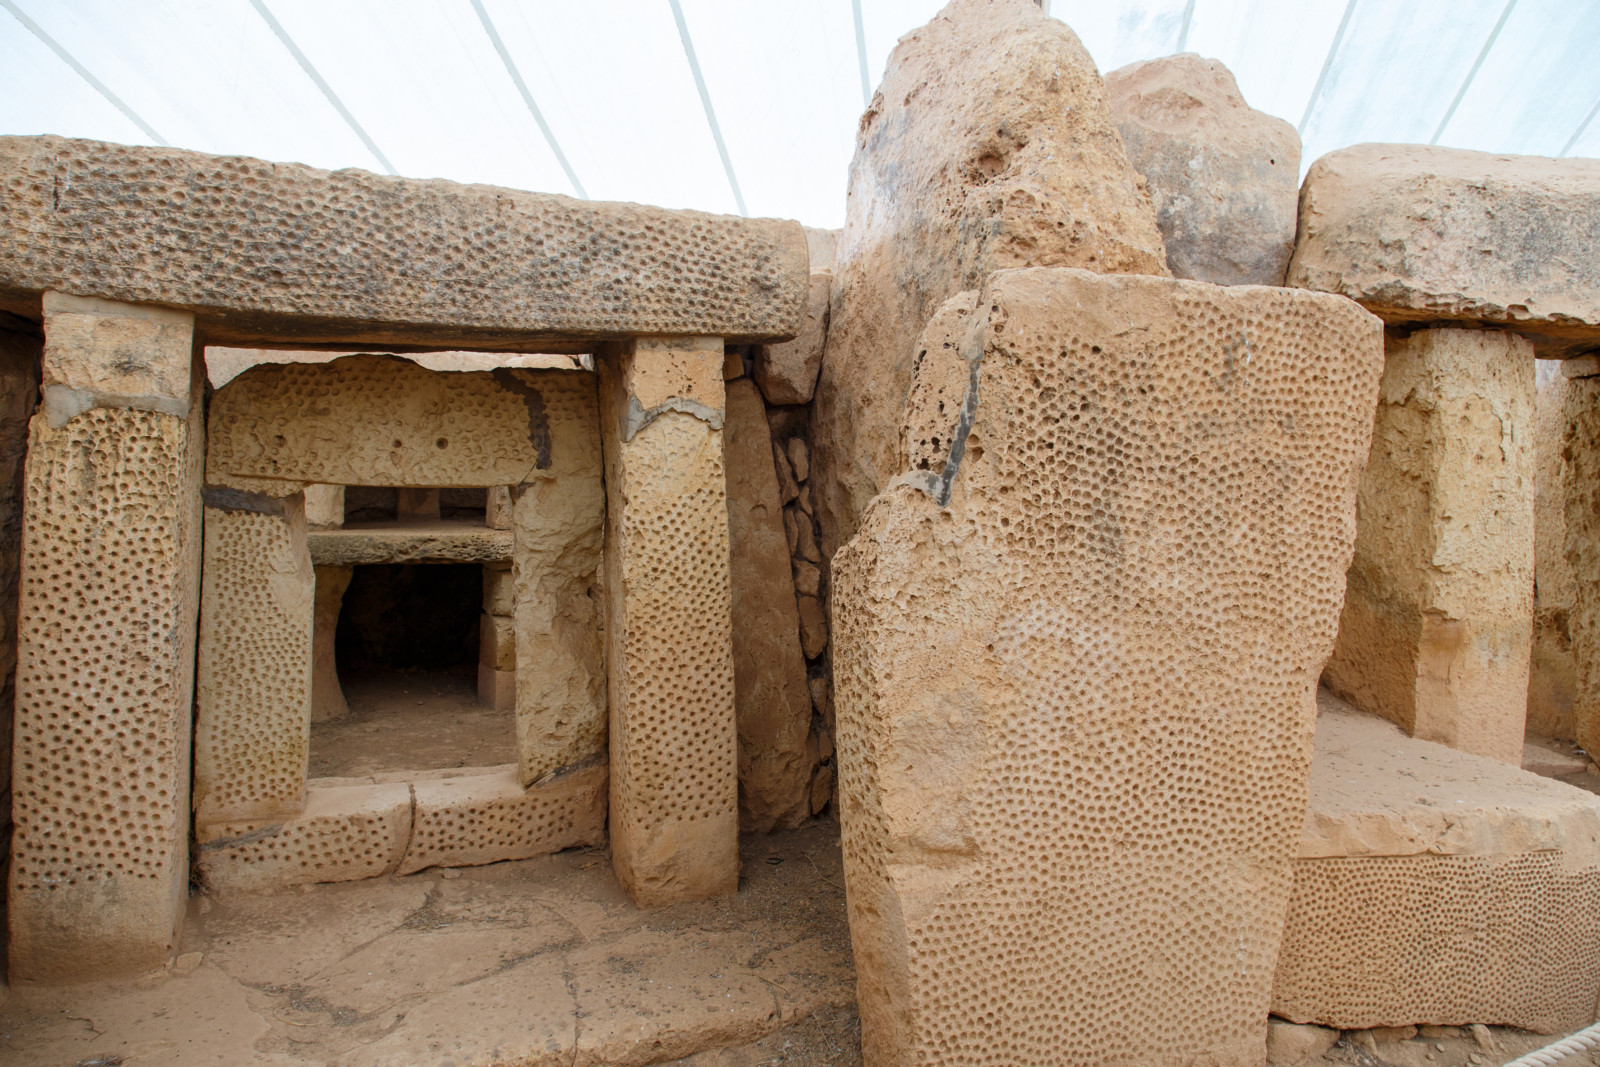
{"x":1551,"y":1054}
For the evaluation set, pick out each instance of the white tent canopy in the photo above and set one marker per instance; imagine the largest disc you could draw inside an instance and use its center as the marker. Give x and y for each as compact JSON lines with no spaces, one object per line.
{"x":627,"y":99}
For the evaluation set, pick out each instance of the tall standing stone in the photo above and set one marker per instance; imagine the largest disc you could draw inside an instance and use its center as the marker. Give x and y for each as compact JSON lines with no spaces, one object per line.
{"x":1551,"y":677}
{"x":1076,"y":653}
{"x":776,"y":757}
{"x":1581,"y":442}
{"x":989,"y":144}
{"x":106,"y":642}
{"x":1438,"y":612}
{"x":1225,"y":178}
{"x":669,"y":640}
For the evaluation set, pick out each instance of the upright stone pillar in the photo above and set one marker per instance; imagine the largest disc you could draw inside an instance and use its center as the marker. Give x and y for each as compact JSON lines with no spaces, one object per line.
{"x":1438,"y":614}
{"x":1581,"y":443}
{"x":669,"y":636}
{"x":110,"y":584}
{"x":1076,"y":652}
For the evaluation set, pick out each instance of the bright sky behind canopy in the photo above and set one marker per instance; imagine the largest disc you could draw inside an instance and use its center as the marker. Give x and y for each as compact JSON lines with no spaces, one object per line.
{"x":627,"y":99}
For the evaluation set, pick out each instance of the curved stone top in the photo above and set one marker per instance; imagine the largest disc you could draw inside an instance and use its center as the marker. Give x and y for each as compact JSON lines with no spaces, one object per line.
{"x":1419,"y":235}
{"x":283,"y":252}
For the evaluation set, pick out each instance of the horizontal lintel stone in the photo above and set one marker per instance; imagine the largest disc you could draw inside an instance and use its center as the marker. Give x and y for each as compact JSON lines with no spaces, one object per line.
{"x":283,"y":252}
{"x":1430,"y":235}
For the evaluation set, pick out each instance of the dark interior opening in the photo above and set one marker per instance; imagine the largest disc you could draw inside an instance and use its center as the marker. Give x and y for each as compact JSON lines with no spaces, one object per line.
{"x":381,"y":503}
{"x":407,"y":652}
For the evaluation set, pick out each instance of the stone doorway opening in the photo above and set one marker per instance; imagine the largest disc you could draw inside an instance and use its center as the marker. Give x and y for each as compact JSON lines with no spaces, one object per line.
{"x":406,"y":658}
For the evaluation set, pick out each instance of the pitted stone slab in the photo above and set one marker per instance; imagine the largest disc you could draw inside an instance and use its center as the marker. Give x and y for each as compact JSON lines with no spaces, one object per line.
{"x":1435,"y":886}
{"x":280,"y":251}
{"x":1440,"y":235}
{"x":1075,"y":705}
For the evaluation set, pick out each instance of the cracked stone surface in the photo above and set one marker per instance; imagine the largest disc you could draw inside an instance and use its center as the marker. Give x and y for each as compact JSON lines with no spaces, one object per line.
{"x":538,"y":962}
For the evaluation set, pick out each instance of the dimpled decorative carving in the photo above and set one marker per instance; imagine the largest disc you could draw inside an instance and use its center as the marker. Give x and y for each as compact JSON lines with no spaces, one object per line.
{"x":253,"y":699}
{"x":1075,"y":706}
{"x":278,"y":251}
{"x":379,"y":420}
{"x":1436,"y":886}
{"x":109,"y":592}
{"x":674,"y":789}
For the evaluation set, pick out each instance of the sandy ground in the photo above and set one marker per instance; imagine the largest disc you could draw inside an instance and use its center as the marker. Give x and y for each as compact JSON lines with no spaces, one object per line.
{"x":412,"y":721}
{"x":530,"y":963}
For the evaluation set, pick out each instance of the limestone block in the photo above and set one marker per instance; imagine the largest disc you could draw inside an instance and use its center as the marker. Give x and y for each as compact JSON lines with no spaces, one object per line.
{"x":265,"y":251}
{"x":674,"y":773}
{"x":327,"y":694}
{"x":346,"y":832}
{"x":324,"y":507}
{"x":1291,"y":1044}
{"x":1552,"y":677}
{"x":497,"y":513}
{"x":441,"y":541}
{"x":382,"y":420}
{"x":813,"y":626}
{"x":497,"y":642}
{"x":1224,"y":178}
{"x":1426,"y":234}
{"x":499,"y":590}
{"x":807,"y":578}
{"x":253,"y":701}
{"x":989,"y":144}
{"x":822,"y":247}
{"x":1581,"y":442}
{"x":100,"y":789}
{"x":1075,"y":702}
{"x":1438,"y":887}
{"x":769,"y":672}
{"x":799,"y":458}
{"x":787,"y":371}
{"x":485,"y":818}
{"x":558,"y":517}
{"x":788,"y":488}
{"x":1438,"y":612}
{"x":20,"y":350}
{"x":497,"y":689}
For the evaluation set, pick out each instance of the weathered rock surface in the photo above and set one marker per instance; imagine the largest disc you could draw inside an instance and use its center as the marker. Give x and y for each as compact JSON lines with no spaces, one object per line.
{"x":1552,"y":678}
{"x":1224,"y":178}
{"x":1581,"y":442}
{"x":674,"y":815}
{"x":787,"y":371}
{"x":1434,"y":886}
{"x":1423,"y":234}
{"x":1076,"y":703}
{"x":327,"y":693}
{"x":280,"y":251}
{"x":1438,"y":610}
{"x":441,"y":541}
{"x":769,"y":672}
{"x":111,"y":526}
{"x":20,"y":351}
{"x":989,"y":144}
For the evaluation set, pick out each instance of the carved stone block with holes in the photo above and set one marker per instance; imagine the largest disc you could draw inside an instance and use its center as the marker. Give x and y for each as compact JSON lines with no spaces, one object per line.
{"x":1076,"y":649}
{"x":106,"y":631}
{"x":674,"y":790}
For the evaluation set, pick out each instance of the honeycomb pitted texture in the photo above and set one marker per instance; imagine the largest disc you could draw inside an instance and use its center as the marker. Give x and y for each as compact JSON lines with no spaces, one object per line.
{"x":381,"y":420}
{"x":1075,"y":706}
{"x":487,"y":818}
{"x":109,"y":591}
{"x":1581,"y":442}
{"x":674,"y":789}
{"x":366,"y":254}
{"x":345,"y":833}
{"x":1449,"y":940}
{"x":253,"y":687}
